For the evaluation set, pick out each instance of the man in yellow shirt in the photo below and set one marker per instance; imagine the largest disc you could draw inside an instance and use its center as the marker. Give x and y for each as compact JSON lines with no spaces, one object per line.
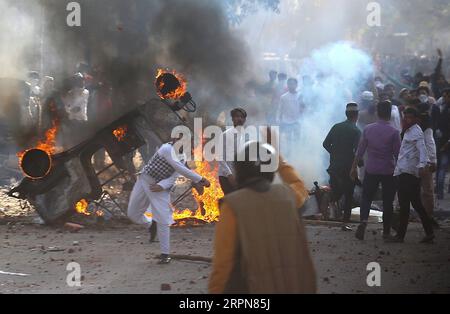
{"x":260,"y":241}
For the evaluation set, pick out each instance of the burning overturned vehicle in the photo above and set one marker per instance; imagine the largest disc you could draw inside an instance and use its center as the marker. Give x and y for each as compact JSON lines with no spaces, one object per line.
{"x":59,"y":183}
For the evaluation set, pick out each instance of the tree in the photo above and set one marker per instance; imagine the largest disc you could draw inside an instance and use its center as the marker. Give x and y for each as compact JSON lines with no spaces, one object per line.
{"x":238,"y":10}
{"x":423,"y":20}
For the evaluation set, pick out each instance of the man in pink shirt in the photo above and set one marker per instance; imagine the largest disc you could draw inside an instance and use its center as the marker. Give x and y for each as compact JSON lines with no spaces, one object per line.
{"x":382,"y":143}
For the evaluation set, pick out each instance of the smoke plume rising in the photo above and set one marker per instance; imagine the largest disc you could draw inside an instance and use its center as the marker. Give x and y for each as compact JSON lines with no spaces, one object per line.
{"x":127,"y":41}
{"x":341,"y":71}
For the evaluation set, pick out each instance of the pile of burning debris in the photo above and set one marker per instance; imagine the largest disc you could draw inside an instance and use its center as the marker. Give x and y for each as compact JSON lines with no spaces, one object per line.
{"x":59,"y":184}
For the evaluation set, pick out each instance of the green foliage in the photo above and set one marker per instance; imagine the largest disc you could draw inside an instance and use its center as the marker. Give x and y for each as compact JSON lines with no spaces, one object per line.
{"x":426,"y":16}
{"x":238,"y":10}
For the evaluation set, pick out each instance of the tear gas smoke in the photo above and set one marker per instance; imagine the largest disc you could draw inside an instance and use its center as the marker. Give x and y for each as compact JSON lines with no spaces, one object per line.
{"x":341,"y":72}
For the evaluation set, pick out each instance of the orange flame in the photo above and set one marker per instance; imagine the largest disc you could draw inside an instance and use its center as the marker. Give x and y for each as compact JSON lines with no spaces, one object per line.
{"x":208,"y":203}
{"x":175,"y":94}
{"x":48,"y":144}
{"x":81,"y":207}
{"x":120,"y":133}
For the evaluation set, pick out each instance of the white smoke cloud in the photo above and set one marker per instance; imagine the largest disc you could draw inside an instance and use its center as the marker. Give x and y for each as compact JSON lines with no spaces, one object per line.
{"x":17,"y":35}
{"x":345,"y":69}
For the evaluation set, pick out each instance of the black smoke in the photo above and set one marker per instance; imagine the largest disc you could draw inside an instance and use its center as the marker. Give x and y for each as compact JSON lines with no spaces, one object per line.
{"x":129,"y":40}
{"x":125,"y":42}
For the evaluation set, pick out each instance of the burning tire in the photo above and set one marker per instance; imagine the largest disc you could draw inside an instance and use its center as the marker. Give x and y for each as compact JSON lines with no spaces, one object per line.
{"x":36,"y":163}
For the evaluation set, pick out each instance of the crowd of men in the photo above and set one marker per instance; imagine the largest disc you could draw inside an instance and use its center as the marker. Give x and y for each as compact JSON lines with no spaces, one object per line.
{"x":70,"y":105}
{"x":397,"y":140}
{"x":396,"y":134}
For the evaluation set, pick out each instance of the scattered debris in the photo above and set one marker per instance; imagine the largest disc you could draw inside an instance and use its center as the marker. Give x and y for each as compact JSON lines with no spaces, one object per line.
{"x":191,"y":258}
{"x":13,"y":274}
{"x":72,"y":227}
{"x":54,"y":249}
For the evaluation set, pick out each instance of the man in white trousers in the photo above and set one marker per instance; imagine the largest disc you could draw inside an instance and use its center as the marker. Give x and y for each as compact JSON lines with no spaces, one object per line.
{"x":151,"y":194}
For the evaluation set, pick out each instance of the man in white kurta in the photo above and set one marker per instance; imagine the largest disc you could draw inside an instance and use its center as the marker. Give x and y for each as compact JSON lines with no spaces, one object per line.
{"x":151,"y":193}
{"x":75,"y":102}
{"x":233,"y":138}
{"x":289,"y":115}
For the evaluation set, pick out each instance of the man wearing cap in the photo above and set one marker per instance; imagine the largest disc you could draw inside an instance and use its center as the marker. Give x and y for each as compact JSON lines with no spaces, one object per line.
{"x":342,"y":143}
{"x":233,"y":139}
{"x":151,"y":193}
{"x":260,"y":245}
{"x":368,"y":113}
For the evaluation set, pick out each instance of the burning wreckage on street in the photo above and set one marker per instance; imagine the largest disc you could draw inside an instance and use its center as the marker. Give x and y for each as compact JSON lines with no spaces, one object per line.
{"x":58,"y":184}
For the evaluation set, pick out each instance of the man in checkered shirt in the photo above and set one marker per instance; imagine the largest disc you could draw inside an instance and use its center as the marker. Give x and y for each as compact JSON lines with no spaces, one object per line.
{"x":151,"y":193}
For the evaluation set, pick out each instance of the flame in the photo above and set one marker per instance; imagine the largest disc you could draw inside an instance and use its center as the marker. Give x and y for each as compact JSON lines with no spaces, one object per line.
{"x":120,"y":133}
{"x":82,"y":207}
{"x":48,"y":144}
{"x":208,"y":203}
{"x":176,"y":94}
{"x":148,"y":215}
